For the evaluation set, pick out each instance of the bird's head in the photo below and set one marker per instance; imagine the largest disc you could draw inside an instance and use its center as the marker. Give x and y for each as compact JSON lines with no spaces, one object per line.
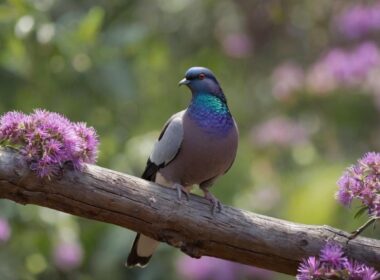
{"x":202,"y":80}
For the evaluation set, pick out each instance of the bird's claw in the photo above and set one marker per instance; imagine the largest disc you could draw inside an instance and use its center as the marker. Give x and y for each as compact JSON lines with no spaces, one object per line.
{"x":215,"y":203}
{"x":181,"y":189}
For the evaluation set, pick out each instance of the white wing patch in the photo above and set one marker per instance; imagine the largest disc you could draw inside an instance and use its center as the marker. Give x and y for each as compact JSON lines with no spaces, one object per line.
{"x":168,"y":146}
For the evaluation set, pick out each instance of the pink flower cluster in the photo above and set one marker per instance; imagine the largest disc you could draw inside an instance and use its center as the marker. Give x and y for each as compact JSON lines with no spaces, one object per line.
{"x":48,"y":140}
{"x":5,"y":230}
{"x":68,"y":255}
{"x":341,"y":68}
{"x":237,"y":45}
{"x":287,"y":79}
{"x":279,"y":131}
{"x":333,"y":264}
{"x":208,"y":268}
{"x":337,"y":68}
{"x":359,"y":20}
{"x":362,"y":181}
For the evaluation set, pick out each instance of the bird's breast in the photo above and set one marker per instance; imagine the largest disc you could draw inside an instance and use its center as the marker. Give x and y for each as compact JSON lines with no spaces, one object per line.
{"x":206,"y":152}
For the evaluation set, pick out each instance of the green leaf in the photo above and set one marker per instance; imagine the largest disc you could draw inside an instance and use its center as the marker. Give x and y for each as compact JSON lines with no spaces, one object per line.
{"x":90,"y":25}
{"x":360,"y":212}
{"x":7,"y":13}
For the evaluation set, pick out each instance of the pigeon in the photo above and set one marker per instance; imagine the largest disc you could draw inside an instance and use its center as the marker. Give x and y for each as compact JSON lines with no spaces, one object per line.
{"x":195,"y":147}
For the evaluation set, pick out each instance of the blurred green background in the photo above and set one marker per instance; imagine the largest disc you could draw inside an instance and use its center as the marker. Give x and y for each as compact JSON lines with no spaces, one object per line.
{"x":302,"y":79}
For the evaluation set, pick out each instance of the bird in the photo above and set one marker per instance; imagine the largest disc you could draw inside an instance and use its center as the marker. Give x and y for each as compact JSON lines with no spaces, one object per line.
{"x":196,"y":147}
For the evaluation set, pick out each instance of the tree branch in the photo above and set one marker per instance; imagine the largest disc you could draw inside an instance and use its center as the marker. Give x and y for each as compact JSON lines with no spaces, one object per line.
{"x":112,"y":197}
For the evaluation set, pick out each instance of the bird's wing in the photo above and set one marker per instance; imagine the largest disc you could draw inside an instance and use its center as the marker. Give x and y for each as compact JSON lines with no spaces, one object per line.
{"x":164,"y":151}
{"x":166,"y":147}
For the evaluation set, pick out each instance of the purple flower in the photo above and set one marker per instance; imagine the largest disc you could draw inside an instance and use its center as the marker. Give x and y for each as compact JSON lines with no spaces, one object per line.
{"x":68,"y":256}
{"x":343,"y":195}
{"x":208,"y":268}
{"x":369,"y":273}
{"x":350,"y":186}
{"x":237,"y":45}
{"x":359,"y":20}
{"x":88,"y":144}
{"x":332,"y":254}
{"x":362,"y":181}
{"x":11,"y":126}
{"x":279,"y":131}
{"x":353,"y":67}
{"x":341,"y":68}
{"x":371,"y":162}
{"x":353,"y":268}
{"x":338,"y":64}
{"x":333,"y":264}
{"x":5,"y":231}
{"x":375,"y":210}
{"x":308,"y":269}
{"x":287,"y":78}
{"x":48,"y":140}
{"x":319,"y":79}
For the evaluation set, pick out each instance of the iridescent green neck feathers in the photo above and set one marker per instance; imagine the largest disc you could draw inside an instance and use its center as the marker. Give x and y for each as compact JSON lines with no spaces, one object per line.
{"x":211,"y":113}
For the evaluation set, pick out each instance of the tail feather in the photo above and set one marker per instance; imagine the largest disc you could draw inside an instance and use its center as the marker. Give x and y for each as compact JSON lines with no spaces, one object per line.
{"x":145,"y":247}
{"x":150,"y":171}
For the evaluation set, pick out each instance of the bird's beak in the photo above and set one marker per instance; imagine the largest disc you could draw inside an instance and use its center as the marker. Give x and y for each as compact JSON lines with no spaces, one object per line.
{"x":184,"y":81}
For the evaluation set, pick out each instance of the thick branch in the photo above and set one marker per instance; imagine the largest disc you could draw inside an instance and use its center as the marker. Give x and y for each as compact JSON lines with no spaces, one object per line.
{"x":237,"y":235}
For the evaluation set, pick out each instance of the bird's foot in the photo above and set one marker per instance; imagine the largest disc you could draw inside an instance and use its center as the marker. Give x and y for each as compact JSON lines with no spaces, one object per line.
{"x":215,"y":203}
{"x":181,"y":189}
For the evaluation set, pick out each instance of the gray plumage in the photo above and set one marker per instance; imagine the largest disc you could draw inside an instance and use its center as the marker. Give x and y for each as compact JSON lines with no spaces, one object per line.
{"x":201,"y":157}
{"x":167,"y":147}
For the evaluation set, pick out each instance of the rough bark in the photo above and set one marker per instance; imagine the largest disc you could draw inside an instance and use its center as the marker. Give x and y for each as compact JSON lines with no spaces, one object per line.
{"x":112,"y":197}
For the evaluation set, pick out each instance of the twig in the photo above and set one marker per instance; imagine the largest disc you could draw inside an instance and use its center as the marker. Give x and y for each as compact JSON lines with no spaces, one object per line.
{"x":355,"y":233}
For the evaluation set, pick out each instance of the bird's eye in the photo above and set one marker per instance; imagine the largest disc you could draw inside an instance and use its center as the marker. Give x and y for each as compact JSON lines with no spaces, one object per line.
{"x":201,"y":76}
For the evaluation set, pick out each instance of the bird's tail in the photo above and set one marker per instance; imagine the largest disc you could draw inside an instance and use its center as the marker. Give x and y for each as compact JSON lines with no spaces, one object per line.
{"x":142,"y":250}
{"x":143,"y":247}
